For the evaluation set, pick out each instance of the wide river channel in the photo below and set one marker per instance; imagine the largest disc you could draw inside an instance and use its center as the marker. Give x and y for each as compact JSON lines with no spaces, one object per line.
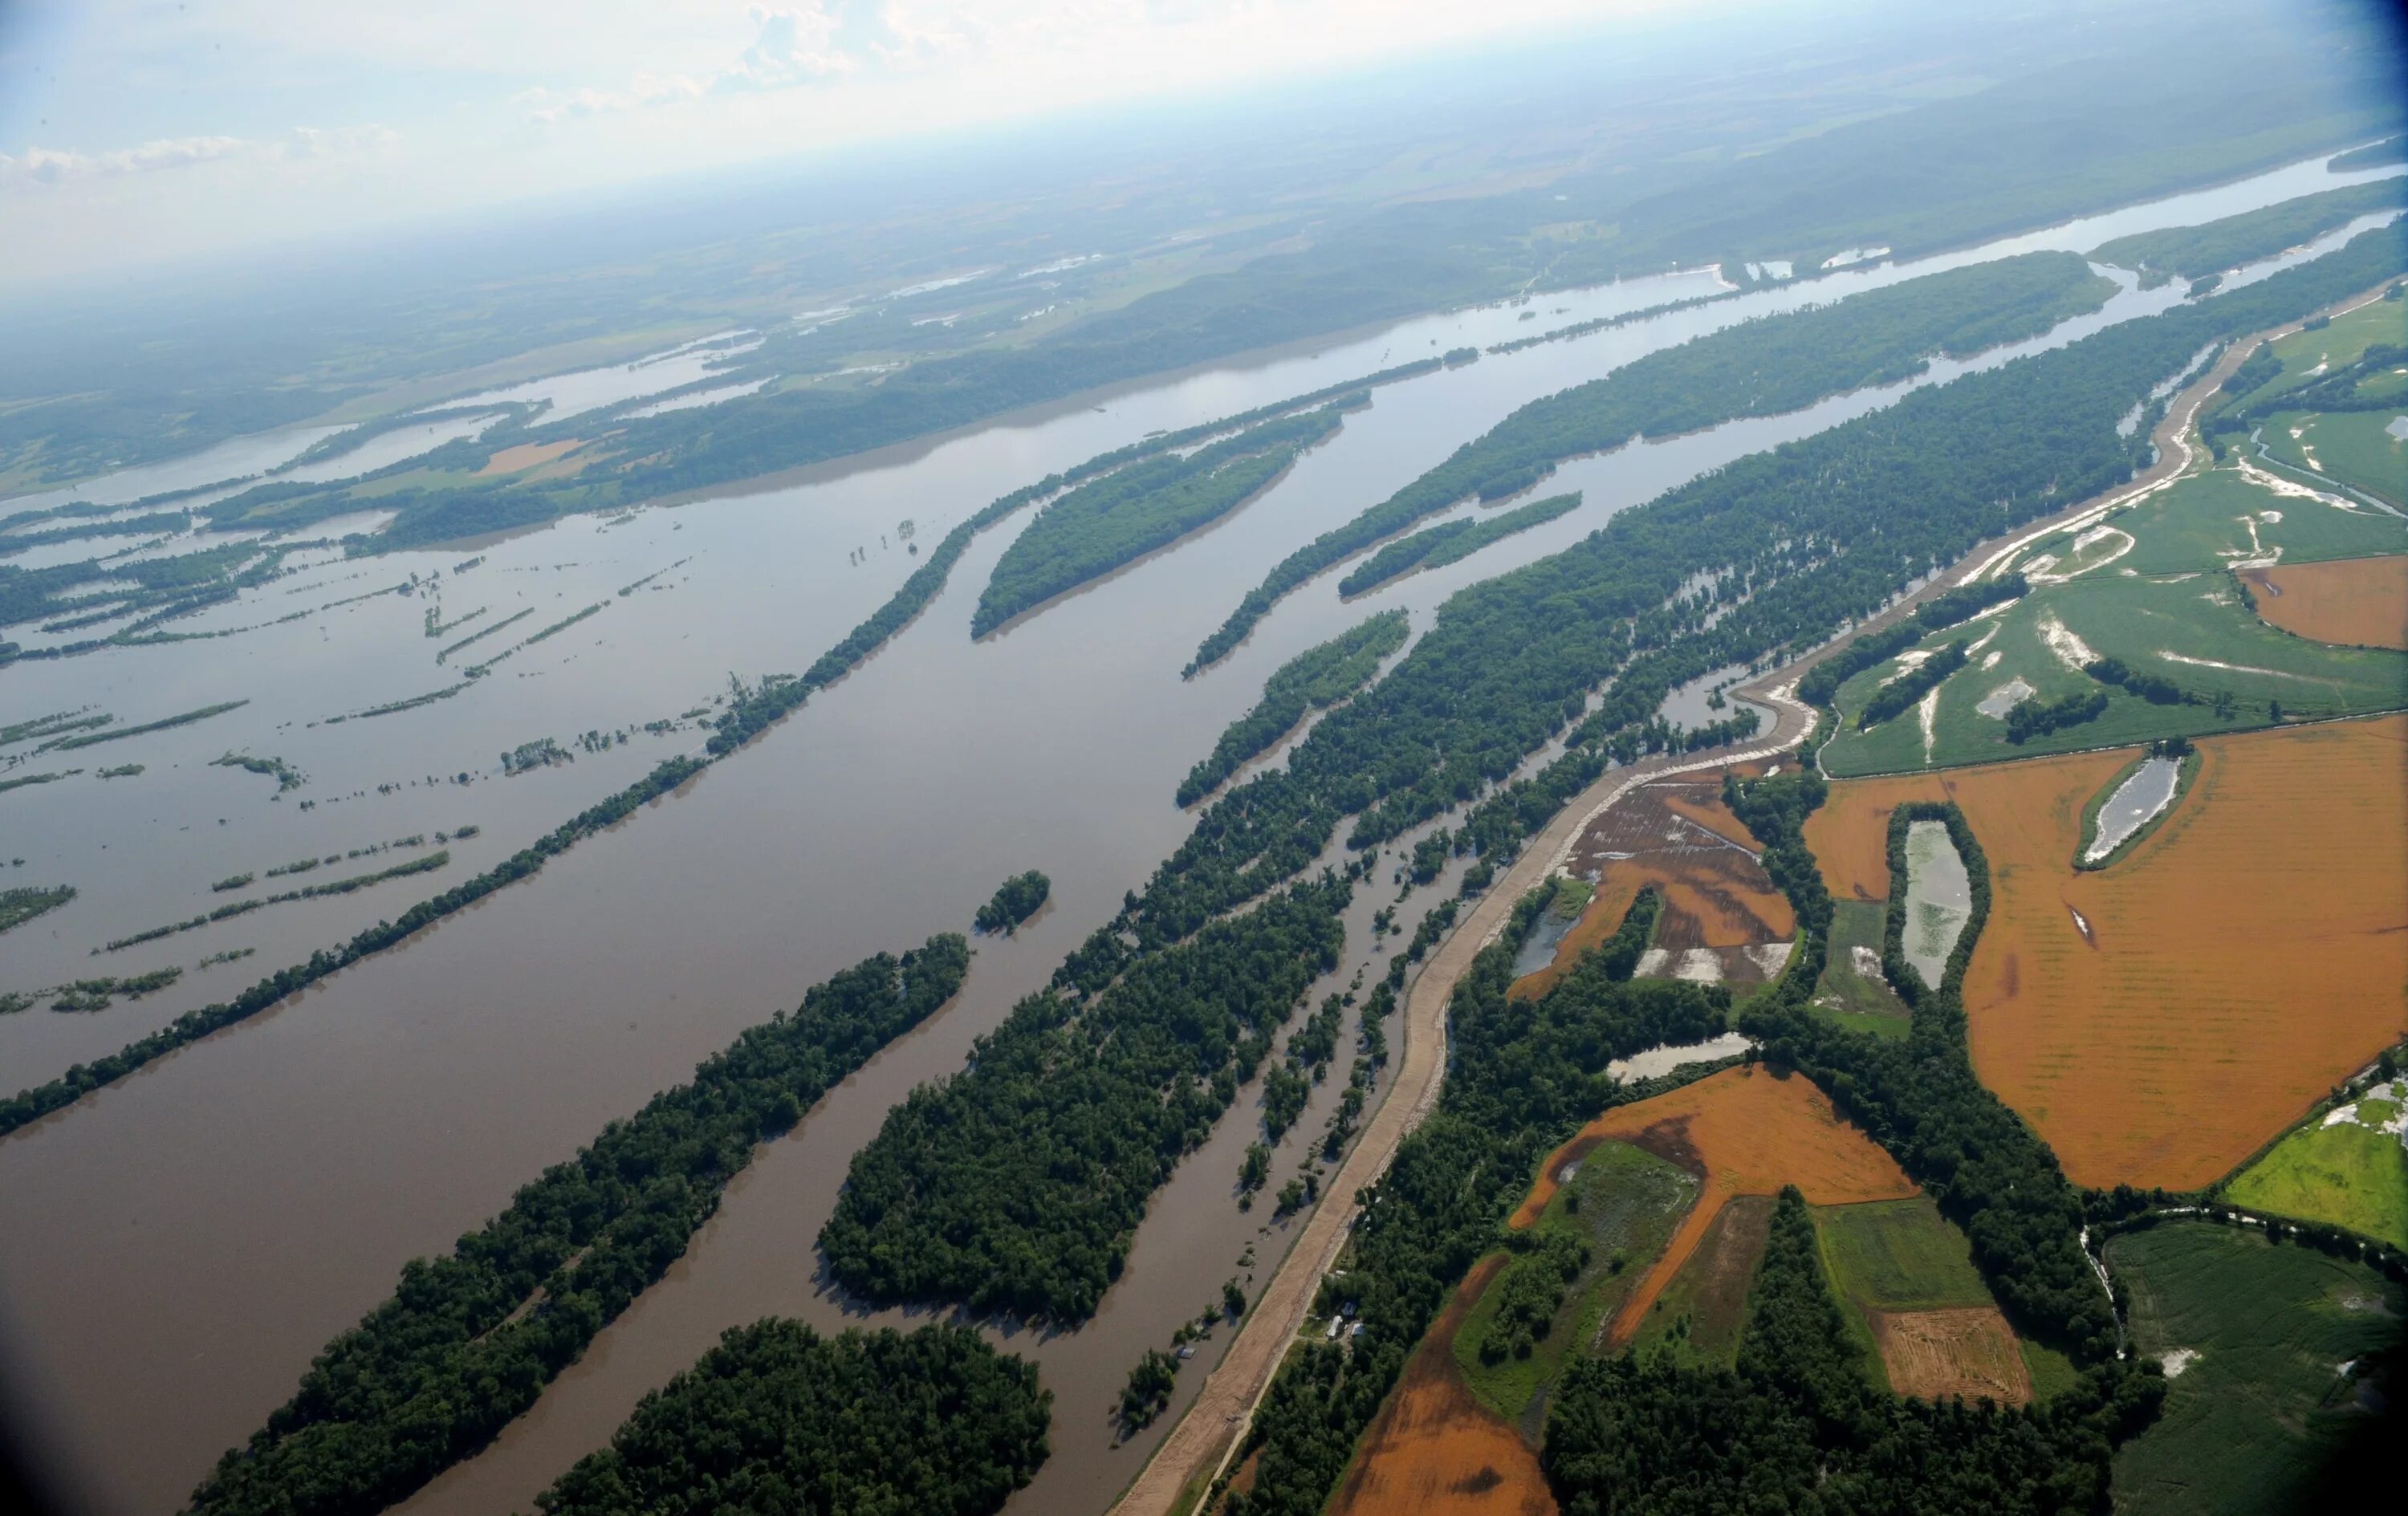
{"x":178,"y":1249}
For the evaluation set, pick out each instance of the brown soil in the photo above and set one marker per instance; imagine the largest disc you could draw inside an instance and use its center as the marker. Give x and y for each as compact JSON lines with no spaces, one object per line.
{"x":2240,"y":961}
{"x":526,"y":455}
{"x":1710,"y":1290}
{"x":2361,"y":602}
{"x":1967,"y":1351}
{"x":1434,"y":1446}
{"x":1677,"y":835}
{"x":1744,"y":1131}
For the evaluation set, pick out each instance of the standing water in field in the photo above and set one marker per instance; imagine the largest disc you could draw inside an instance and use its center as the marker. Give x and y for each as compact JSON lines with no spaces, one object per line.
{"x":2135,"y":803}
{"x":1939,"y":899}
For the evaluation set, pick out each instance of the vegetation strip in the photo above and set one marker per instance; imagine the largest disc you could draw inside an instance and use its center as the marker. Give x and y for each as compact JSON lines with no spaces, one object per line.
{"x":2233,"y":241}
{"x":489,"y":631}
{"x":117,"y":732}
{"x":468,"y":1342}
{"x":1439,"y":546}
{"x":1761,"y":367}
{"x":242,"y":908}
{"x":1313,"y":680}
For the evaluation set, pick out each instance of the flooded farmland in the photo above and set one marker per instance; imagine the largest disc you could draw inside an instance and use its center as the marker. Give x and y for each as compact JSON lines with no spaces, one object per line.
{"x":180,"y":1246}
{"x":1939,"y":899}
{"x":2136,"y":802}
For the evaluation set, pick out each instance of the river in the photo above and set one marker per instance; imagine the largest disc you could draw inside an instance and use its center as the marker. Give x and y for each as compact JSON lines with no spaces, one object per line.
{"x":179,"y":1247}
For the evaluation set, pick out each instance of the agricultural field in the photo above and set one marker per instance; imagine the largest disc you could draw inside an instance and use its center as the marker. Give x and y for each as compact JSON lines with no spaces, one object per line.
{"x":2346,"y":1166}
{"x":2361,"y":602}
{"x":1852,"y":989}
{"x":1723,"y":919}
{"x":2157,"y":1020}
{"x":2150,"y":587}
{"x":2262,"y":1414}
{"x":2338,"y":343}
{"x":1905,"y":1277}
{"x":1702,"y":1310}
{"x":1623,"y":1205}
{"x":1434,"y":1446}
{"x":2362,"y":449}
{"x":1744,"y":1131}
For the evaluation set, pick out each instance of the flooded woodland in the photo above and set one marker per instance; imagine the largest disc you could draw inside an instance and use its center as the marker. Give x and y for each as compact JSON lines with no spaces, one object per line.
{"x":180,"y":1246}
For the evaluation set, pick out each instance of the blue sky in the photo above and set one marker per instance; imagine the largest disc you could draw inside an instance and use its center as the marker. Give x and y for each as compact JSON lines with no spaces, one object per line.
{"x":137,"y":131}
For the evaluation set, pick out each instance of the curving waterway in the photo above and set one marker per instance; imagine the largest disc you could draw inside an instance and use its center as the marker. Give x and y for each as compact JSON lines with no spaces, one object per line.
{"x":179,"y":1248}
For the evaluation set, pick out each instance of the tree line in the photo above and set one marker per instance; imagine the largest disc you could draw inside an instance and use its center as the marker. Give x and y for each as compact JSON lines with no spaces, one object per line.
{"x":1451,"y":541}
{"x":1313,"y":680}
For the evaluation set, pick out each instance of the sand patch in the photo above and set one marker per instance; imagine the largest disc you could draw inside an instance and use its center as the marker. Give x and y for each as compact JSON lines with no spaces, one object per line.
{"x":526,"y":455}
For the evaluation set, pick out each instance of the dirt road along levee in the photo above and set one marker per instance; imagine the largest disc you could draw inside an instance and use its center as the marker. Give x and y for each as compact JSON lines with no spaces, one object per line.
{"x":1214,"y":1426}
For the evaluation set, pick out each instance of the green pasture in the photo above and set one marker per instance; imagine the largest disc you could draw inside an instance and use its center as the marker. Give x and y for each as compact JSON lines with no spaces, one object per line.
{"x":1699,"y":1316}
{"x":1626,"y":1203}
{"x":1894,"y":1255}
{"x":1853,"y":1000}
{"x":2348,"y":1174}
{"x":2262,"y":1420}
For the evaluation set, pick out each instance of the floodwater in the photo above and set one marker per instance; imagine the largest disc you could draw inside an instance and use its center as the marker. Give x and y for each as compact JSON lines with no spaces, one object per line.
{"x":1664,"y":1059}
{"x":2135,"y":803}
{"x":1939,"y":899}
{"x":2005,"y":698}
{"x":179,"y":1248}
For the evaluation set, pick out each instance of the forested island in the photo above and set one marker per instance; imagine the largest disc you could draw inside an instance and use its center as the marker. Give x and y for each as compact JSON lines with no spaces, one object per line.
{"x":2196,"y":252}
{"x":1126,"y":514}
{"x":1015,"y":900}
{"x":1759,"y":367}
{"x":930,"y":1421}
{"x":468,"y":1342}
{"x":1313,"y":680}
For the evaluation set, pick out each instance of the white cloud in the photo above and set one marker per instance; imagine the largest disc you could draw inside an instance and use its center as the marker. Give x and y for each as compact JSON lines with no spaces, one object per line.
{"x":46,"y":165}
{"x":42,"y":169}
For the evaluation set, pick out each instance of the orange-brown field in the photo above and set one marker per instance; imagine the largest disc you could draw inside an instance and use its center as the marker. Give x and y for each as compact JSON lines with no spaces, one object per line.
{"x":1744,"y":1131}
{"x":2362,"y":602}
{"x":2239,"y":962}
{"x":1676,"y":834}
{"x":526,"y":455}
{"x":1434,"y":1446}
{"x":1967,"y":1351}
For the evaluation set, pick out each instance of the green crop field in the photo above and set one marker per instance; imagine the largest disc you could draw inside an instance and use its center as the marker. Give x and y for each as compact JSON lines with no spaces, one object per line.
{"x":1626,"y":1204}
{"x":2197,"y":524}
{"x":2351,"y":1173}
{"x":1898,"y":1256}
{"x":2350,"y":445}
{"x":2258,"y":1420}
{"x":2165,"y":608}
{"x":1860,"y":1002}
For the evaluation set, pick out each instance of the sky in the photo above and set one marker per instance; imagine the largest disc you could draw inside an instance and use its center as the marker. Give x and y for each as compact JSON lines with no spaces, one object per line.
{"x":145,"y":130}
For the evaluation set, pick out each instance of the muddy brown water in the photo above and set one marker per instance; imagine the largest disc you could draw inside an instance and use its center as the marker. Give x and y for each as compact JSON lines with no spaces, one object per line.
{"x":179,"y":1247}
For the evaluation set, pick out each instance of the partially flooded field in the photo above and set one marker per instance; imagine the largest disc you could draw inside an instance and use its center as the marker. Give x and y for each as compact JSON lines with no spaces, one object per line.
{"x":1743,"y":1131}
{"x":2133,"y":805}
{"x":1723,"y":919}
{"x":2362,"y":602}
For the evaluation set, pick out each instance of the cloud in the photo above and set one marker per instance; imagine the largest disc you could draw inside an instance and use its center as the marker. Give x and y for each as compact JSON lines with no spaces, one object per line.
{"x":793,"y":45}
{"x":50,"y":167}
{"x":46,"y":165}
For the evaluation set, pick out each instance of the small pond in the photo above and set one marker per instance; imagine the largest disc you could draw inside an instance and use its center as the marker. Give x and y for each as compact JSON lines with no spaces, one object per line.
{"x":1666,"y":1057}
{"x":2135,"y":803}
{"x":1939,"y":899}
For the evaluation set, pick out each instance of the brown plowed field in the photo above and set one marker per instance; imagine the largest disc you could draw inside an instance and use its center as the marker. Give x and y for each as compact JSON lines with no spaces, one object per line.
{"x":1434,"y":1446}
{"x":1743,"y":1131}
{"x":1966,"y":1350}
{"x":2361,"y":602}
{"x":2240,"y":962}
{"x":1677,"y":835}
